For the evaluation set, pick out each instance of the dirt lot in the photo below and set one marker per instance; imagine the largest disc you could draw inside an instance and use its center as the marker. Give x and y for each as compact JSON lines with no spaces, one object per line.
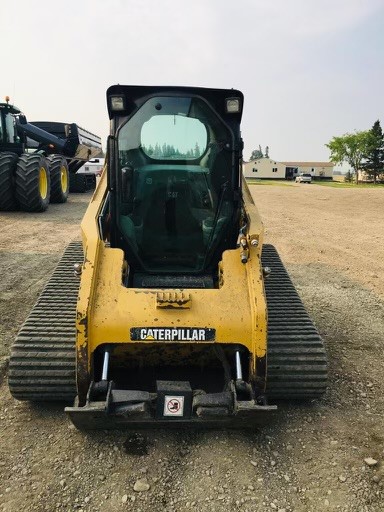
{"x":311,"y":458}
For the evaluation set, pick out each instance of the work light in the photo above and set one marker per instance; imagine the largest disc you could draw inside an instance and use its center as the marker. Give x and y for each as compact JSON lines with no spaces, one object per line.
{"x":117,"y":103}
{"x":232,"y":105}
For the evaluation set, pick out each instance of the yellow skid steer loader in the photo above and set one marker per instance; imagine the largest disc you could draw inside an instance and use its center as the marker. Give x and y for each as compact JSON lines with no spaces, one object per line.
{"x":178,"y":314}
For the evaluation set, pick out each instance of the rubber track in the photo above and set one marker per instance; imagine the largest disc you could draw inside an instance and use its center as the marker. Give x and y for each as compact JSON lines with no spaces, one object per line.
{"x":42,"y":362}
{"x":296,"y":360}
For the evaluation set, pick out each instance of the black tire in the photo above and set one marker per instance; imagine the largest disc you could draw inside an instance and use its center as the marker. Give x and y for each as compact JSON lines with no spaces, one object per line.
{"x":58,"y":169}
{"x":78,"y":183}
{"x":91,"y":181}
{"x":33,"y":182}
{"x":7,"y":181}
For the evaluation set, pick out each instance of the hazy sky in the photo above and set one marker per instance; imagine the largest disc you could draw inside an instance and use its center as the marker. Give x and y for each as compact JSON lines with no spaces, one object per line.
{"x":309,"y":69}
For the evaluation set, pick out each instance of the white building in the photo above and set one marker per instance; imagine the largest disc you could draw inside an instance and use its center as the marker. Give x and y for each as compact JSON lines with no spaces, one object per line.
{"x":265,"y":168}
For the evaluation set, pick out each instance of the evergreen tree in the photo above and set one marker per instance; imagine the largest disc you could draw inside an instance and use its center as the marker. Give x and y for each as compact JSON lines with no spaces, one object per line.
{"x":256,"y":154}
{"x":374,"y":158}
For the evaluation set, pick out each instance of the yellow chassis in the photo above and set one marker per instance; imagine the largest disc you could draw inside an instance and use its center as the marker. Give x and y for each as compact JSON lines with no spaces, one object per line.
{"x":107,"y":310}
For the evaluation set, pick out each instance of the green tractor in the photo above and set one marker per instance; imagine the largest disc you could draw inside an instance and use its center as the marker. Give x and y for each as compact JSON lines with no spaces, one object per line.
{"x":37,"y":160}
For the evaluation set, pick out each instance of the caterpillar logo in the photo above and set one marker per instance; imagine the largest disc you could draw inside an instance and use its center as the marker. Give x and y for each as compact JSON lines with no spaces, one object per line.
{"x":172,"y":334}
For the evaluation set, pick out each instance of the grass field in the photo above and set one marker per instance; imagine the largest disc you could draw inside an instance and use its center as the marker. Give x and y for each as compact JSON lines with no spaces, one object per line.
{"x":333,"y":184}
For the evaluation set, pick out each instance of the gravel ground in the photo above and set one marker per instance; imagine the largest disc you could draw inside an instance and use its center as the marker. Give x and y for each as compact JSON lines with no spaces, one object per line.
{"x":325,"y":455}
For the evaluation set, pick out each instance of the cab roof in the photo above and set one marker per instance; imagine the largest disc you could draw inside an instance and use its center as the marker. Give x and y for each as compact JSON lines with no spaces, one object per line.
{"x":10,"y":108}
{"x":137,"y":95}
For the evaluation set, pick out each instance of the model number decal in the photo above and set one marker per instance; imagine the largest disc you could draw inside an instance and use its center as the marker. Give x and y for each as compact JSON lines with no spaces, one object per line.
{"x":172,"y":334}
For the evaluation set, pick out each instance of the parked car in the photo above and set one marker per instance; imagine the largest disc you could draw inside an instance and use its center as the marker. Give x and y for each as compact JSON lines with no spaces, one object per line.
{"x":303,"y":178}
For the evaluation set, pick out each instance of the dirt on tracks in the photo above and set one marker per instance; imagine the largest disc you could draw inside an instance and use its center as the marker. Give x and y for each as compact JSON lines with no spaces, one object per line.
{"x":311,"y":458}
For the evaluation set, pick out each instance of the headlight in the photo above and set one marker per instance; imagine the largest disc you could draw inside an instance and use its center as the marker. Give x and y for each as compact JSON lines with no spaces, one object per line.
{"x":117,"y":103}
{"x":232,"y":105}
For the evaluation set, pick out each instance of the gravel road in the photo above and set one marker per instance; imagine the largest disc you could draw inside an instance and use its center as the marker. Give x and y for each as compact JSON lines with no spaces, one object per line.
{"x":325,"y":455}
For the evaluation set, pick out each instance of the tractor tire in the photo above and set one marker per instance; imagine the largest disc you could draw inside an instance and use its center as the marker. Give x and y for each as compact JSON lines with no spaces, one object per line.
{"x":91,"y":181}
{"x":7,"y":181}
{"x":58,"y":169}
{"x":78,"y":183}
{"x":33,"y":182}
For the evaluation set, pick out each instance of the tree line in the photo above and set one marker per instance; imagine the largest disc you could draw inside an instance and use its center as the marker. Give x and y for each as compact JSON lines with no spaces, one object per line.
{"x":362,"y":150}
{"x":169,"y":151}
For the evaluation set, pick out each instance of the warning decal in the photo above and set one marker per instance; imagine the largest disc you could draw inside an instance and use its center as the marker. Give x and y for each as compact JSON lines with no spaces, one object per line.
{"x":173,"y":405}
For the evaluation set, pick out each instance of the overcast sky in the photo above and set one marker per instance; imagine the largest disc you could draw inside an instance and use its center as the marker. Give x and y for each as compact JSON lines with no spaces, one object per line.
{"x":309,"y":69}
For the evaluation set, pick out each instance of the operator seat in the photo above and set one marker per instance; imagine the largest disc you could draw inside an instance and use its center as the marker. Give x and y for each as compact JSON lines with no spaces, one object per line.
{"x":169,"y":226}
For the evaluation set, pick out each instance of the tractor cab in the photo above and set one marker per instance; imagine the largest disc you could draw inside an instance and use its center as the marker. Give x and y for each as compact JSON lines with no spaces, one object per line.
{"x":174,"y":180}
{"x":9,"y":138}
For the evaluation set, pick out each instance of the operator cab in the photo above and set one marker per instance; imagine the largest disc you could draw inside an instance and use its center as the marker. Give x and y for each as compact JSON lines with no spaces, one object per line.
{"x":9,"y":139}
{"x":174,"y":178}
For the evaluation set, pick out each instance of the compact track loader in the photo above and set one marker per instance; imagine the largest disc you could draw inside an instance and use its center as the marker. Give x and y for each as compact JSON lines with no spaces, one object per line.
{"x":178,"y":314}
